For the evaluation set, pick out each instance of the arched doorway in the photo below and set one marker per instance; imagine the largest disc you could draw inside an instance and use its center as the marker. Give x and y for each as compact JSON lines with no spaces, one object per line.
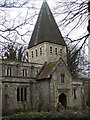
{"x":63,"y":100}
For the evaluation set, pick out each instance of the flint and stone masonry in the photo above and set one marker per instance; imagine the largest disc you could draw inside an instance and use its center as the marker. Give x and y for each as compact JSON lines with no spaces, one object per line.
{"x":45,"y":81}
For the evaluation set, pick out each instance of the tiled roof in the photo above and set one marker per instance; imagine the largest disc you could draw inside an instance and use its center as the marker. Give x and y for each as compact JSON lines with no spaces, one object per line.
{"x":47,"y":71}
{"x":46,"y":29}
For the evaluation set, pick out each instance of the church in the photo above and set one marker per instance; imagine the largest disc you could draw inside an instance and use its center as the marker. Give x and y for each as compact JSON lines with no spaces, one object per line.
{"x":45,"y":80}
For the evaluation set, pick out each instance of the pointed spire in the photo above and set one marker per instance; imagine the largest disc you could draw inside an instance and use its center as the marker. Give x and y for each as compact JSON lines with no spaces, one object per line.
{"x":44,"y":0}
{"x":46,"y":29}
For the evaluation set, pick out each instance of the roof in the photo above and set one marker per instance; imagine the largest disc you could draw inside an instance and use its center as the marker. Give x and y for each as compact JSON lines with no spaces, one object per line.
{"x":47,"y":71}
{"x":46,"y":29}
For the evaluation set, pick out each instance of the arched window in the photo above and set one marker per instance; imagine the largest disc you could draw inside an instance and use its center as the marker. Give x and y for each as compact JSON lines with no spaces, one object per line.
{"x":25,"y":94}
{"x":24,"y":72}
{"x":37,"y":72}
{"x":56,"y":51}
{"x":74,"y":90}
{"x":21,"y":94}
{"x":60,"y":51}
{"x":40,"y":51}
{"x":18,"y":96}
{"x":32,"y":54}
{"x":32,"y":71}
{"x":9,"y":72}
{"x":50,"y":50}
{"x":62,"y":78}
{"x":36,"y":53}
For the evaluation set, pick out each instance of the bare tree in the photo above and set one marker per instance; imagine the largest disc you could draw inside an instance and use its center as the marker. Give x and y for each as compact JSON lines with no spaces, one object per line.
{"x":75,"y":14}
{"x":72,"y":14}
{"x":72,"y":11}
{"x":16,"y":29}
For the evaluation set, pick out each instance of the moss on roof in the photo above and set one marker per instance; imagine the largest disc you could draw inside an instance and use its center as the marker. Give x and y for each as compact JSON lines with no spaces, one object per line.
{"x":47,"y":70}
{"x":50,"y":65}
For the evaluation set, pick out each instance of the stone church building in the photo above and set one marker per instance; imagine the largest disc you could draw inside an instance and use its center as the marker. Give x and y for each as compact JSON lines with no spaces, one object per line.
{"x":45,"y":80}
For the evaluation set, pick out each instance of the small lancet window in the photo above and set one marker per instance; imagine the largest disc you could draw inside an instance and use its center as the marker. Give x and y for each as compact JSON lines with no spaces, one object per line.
{"x":74,"y":90}
{"x":24,"y":72}
{"x":32,"y":54}
{"x":60,"y":51}
{"x":56,"y":51}
{"x":18,"y":95}
{"x":21,"y":94}
{"x":9,"y":72}
{"x":25,"y":94}
{"x":50,"y":50}
{"x":62,"y":78}
{"x":40,"y":51}
{"x":36,"y":53}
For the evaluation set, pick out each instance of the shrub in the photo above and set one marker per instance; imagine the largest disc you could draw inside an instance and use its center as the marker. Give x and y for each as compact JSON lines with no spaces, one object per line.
{"x":88,"y":102}
{"x":49,"y":116}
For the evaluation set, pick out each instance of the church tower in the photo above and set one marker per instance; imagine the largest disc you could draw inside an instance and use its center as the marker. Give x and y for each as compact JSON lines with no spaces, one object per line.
{"x":47,"y":43}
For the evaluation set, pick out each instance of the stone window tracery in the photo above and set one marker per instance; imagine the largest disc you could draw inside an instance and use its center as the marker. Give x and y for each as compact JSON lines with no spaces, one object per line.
{"x":21,"y":94}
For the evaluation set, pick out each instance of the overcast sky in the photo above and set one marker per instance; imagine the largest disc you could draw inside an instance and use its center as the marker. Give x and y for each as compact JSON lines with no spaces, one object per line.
{"x":18,"y":15}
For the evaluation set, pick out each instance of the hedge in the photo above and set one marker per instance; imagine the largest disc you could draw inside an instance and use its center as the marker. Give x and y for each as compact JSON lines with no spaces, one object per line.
{"x":48,"y":116}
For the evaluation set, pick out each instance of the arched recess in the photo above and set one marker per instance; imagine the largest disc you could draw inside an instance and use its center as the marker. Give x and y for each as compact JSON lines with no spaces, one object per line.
{"x":63,"y":99}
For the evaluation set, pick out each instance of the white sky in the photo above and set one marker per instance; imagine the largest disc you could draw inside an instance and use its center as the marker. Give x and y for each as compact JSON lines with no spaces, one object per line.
{"x":17,"y":15}
{"x":12,"y":13}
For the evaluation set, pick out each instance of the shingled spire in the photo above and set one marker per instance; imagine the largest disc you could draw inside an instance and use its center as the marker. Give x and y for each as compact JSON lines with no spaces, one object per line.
{"x":46,"y":29}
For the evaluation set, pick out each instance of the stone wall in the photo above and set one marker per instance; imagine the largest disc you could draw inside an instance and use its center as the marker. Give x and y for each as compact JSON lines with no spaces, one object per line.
{"x":9,"y":95}
{"x":78,"y":92}
{"x":87,"y":90}
{"x":18,"y":67}
{"x":16,"y":80}
{"x":44,"y":95}
{"x":46,"y":56}
{"x":50,"y":89}
{"x":39,"y":58}
{"x":33,"y":96}
{"x":57,"y":87}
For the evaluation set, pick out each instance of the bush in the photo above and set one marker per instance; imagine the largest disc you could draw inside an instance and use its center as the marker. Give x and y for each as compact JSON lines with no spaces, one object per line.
{"x":88,"y":102}
{"x":49,"y":116}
